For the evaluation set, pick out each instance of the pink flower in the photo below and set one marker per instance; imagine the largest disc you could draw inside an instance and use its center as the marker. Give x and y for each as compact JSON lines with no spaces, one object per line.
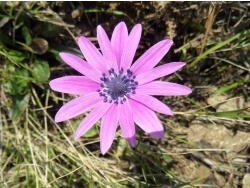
{"x":117,"y":91}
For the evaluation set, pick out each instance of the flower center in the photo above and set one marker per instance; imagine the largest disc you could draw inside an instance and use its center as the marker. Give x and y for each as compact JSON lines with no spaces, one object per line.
{"x":117,"y":87}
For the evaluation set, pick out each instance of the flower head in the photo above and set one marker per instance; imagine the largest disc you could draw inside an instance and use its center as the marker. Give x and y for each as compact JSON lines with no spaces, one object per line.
{"x":117,"y":91}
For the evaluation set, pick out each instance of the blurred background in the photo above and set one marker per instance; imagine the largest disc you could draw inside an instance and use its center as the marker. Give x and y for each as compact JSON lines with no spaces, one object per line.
{"x":206,"y":142}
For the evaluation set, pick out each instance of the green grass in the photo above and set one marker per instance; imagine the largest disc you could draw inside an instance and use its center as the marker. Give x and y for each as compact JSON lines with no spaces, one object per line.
{"x":37,"y":152}
{"x":242,"y":41}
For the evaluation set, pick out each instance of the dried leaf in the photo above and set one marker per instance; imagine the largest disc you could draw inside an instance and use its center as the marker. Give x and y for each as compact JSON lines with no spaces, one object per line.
{"x":39,"y":45}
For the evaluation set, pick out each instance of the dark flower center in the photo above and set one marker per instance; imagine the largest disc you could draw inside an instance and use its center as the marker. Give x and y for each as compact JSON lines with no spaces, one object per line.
{"x":117,"y":87}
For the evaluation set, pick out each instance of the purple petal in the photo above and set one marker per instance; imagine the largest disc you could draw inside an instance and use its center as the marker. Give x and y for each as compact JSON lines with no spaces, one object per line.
{"x":118,"y":40}
{"x":106,"y":48}
{"x":151,"y":57}
{"x":131,"y":46}
{"x":126,"y":122}
{"x":163,"y":88}
{"x":74,"y":85}
{"x":152,"y":103}
{"x":158,"y":72}
{"x":108,"y":129}
{"x":81,"y":66}
{"x":92,"y":55}
{"x":97,"y":113}
{"x":146,"y":119}
{"x":77,"y":106}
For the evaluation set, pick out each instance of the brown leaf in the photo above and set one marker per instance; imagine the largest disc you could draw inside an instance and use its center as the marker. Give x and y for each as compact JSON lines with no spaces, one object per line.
{"x":39,"y":45}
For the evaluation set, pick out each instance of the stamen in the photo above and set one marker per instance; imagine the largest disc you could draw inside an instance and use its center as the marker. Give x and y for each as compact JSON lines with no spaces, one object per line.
{"x":105,"y":99}
{"x":117,"y":87}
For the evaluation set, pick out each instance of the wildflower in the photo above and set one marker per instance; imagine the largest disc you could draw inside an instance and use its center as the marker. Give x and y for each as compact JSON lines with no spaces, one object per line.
{"x":117,"y":91}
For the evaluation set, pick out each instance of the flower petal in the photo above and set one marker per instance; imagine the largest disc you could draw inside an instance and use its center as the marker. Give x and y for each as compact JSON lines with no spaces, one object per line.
{"x":126,"y":122}
{"x":118,"y":40}
{"x":158,"y":72}
{"x":92,"y":55}
{"x":81,"y":66}
{"x":131,"y":46}
{"x":77,"y":106}
{"x":106,"y":48}
{"x":151,"y":57}
{"x":74,"y":85}
{"x":152,"y":103}
{"x":97,"y":113}
{"x":163,"y":88}
{"x":146,"y":119}
{"x":108,"y":129}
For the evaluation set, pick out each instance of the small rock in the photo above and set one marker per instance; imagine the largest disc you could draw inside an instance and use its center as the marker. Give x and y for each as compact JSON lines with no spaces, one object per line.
{"x":218,"y":137}
{"x":246,"y":181}
{"x":221,"y":103}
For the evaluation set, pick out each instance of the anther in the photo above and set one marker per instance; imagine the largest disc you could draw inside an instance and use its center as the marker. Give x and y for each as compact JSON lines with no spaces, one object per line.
{"x":116,"y":87}
{"x":121,"y":71}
